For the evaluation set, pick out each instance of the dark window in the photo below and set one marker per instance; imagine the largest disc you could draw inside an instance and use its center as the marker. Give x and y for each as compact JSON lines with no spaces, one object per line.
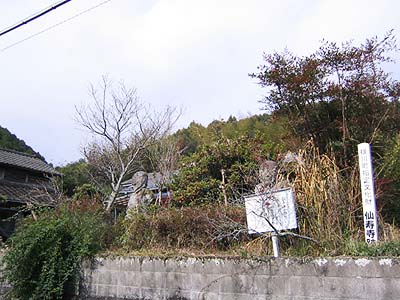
{"x":37,"y":179}
{"x":15,"y":175}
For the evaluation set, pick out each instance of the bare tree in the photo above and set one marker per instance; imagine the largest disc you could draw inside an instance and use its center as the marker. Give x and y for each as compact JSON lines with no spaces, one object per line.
{"x":122,"y":127}
{"x":163,"y":157}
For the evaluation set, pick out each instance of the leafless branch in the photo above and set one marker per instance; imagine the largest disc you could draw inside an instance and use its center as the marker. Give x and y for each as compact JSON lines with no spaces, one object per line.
{"x":122,"y":127}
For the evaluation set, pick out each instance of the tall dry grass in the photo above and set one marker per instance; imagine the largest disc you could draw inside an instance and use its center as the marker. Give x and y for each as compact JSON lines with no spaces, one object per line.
{"x":329,"y":200}
{"x":328,"y":197}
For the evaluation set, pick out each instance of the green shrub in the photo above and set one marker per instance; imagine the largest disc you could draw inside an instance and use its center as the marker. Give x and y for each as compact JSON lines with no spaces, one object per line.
{"x":388,"y":182}
{"x":45,"y":255}
{"x":380,"y":249}
{"x":199,"y":179}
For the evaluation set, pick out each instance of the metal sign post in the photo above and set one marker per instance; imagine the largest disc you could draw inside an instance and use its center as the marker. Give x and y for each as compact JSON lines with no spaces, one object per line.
{"x":275,"y":244}
{"x":368,"y":193}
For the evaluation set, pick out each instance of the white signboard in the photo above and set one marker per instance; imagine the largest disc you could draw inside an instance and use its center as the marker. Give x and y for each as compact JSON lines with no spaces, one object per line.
{"x":271,"y":210}
{"x":368,"y":193}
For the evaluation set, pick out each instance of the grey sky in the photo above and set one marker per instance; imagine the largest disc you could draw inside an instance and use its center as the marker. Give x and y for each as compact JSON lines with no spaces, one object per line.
{"x":187,"y":53}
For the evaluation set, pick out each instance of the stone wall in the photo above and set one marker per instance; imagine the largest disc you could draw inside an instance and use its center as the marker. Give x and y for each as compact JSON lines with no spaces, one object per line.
{"x":242,"y":279}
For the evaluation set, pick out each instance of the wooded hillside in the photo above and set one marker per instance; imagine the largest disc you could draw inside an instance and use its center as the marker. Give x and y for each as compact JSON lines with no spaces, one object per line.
{"x":10,"y":141}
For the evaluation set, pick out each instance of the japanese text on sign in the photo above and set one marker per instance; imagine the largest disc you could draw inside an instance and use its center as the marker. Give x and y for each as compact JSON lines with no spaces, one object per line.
{"x":367,"y":193}
{"x":271,"y":211}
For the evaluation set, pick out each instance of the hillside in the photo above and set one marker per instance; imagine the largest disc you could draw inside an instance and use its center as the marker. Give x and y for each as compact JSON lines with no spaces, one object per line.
{"x":263,"y":126}
{"x":12,"y":142}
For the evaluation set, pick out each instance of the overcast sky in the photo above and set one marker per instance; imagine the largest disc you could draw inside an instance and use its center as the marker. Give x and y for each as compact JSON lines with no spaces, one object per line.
{"x":187,"y":53}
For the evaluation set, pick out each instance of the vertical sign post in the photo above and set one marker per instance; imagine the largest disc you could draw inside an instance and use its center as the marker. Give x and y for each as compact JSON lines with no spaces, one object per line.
{"x":368,"y":193}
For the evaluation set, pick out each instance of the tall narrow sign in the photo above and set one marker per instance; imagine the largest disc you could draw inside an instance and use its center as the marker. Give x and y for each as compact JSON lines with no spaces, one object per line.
{"x":368,"y":193}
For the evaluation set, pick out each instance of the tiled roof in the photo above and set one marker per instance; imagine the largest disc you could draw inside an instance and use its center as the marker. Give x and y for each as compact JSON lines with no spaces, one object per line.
{"x":22,"y":192}
{"x":129,"y":186}
{"x":152,"y":181}
{"x":25,"y":161}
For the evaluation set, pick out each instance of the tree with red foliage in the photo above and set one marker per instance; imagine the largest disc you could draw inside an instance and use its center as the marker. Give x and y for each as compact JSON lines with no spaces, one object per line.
{"x":339,"y":96}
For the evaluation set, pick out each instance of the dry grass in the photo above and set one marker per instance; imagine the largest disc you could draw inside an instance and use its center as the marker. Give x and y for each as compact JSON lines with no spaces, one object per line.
{"x":329,"y":201}
{"x":204,"y":228}
{"x":328,"y":198}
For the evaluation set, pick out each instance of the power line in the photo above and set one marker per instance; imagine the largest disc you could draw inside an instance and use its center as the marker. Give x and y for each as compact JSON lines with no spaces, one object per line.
{"x":33,"y":17}
{"x":55,"y":25}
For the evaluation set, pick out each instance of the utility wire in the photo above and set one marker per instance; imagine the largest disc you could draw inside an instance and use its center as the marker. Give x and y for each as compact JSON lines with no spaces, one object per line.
{"x":33,"y":17}
{"x":55,"y":25}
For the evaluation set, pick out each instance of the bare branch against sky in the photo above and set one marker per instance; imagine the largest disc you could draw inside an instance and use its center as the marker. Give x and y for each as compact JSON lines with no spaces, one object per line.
{"x":122,"y":128}
{"x":185,"y":53}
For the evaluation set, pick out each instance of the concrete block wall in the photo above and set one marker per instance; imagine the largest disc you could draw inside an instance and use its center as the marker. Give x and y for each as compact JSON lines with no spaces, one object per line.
{"x":142,"y":278}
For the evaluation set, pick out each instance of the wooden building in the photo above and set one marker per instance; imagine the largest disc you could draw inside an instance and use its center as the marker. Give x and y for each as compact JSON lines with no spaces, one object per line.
{"x":24,"y":179}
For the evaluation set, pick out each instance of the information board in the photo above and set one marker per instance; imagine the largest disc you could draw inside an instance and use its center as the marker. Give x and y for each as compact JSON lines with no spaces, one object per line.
{"x":273,"y":210}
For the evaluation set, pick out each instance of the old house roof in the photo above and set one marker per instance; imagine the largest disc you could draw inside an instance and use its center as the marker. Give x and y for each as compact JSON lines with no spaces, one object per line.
{"x":129,"y":186}
{"x":25,"y":161}
{"x":23,"y":192}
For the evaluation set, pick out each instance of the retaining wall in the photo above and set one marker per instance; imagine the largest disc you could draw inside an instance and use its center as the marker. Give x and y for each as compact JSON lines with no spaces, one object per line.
{"x":242,"y":279}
